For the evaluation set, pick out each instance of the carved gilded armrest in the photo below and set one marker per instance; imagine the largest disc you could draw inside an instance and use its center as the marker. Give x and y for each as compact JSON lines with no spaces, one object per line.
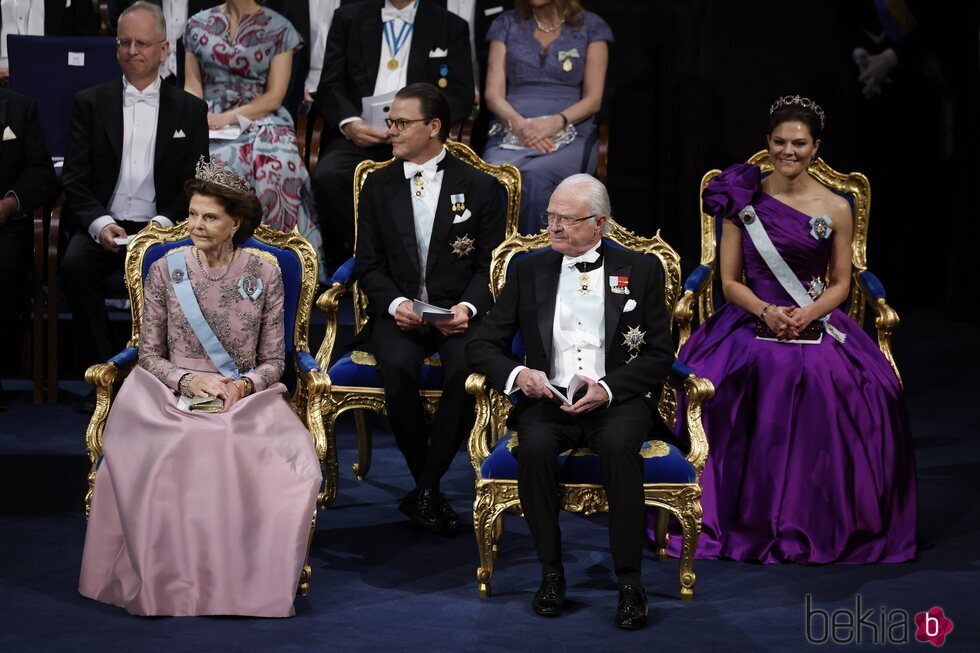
{"x":314,"y":384}
{"x":698,"y":390}
{"x":684,"y":309}
{"x":329,"y":303}
{"x":103,"y":376}
{"x":886,"y":318}
{"x":479,"y":442}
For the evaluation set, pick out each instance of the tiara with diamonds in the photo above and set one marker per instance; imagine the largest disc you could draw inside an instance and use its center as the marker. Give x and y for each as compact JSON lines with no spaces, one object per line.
{"x":803,"y":102}
{"x":212,"y":173}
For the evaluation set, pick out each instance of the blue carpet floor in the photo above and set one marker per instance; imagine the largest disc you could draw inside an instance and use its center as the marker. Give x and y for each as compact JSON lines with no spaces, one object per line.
{"x":379,"y":583}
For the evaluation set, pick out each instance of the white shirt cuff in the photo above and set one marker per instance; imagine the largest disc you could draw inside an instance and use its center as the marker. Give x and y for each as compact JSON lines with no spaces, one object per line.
{"x":512,"y":379}
{"x":608,"y":392}
{"x":11,"y":193}
{"x":347,"y":121}
{"x":98,"y":225}
{"x":163,"y":221}
{"x":471,"y":307}
{"x":393,"y":306}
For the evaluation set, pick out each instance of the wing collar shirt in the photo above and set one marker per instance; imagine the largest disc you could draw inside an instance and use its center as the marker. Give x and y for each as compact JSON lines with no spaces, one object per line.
{"x":134,"y":197}
{"x":21,"y":17}
{"x":321,"y":15}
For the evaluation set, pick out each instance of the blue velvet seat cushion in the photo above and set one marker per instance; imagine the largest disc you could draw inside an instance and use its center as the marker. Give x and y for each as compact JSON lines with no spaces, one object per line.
{"x":346,"y":372}
{"x":662,"y":463}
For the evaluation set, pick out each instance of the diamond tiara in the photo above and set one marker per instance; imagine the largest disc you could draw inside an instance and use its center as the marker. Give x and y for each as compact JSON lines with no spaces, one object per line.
{"x":212,"y":173}
{"x":803,"y":102}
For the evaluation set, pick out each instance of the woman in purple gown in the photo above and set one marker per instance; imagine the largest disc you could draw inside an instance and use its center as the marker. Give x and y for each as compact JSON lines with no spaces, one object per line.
{"x":205,"y":513}
{"x":545,"y":78}
{"x":811,"y":458}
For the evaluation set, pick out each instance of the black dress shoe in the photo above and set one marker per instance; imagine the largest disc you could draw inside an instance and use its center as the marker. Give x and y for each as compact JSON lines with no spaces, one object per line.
{"x":549,"y":600}
{"x":632,"y":611}
{"x":422,"y":508}
{"x":448,"y":516}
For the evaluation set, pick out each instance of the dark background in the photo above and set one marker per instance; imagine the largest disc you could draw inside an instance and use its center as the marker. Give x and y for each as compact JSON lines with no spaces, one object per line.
{"x":690,"y":84}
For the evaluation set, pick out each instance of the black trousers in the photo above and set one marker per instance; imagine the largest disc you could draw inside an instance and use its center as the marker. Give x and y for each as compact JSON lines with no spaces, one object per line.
{"x":15,"y":263}
{"x":615,"y":434}
{"x":399,"y":355}
{"x":334,"y":188}
{"x":83,"y":275}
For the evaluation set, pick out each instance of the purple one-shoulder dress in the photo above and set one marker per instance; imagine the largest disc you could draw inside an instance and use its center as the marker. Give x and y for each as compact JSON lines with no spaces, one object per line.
{"x":810,"y":455}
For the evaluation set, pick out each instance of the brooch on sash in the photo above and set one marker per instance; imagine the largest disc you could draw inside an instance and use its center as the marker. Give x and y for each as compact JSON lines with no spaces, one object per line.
{"x":249,"y":287}
{"x":747,"y":214}
{"x":820,"y":227}
{"x":619,"y":285}
{"x":177,"y":275}
{"x":634,"y":339}
{"x":816,"y":287}
{"x":463,"y":246}
{"x":565,"y":58}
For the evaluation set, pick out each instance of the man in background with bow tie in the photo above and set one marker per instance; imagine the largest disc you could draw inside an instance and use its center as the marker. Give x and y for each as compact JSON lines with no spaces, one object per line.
{"x":591,"y":310}
{"x":427,"y":225}
{"x":376,"y":47}
{"x":133,"y":144}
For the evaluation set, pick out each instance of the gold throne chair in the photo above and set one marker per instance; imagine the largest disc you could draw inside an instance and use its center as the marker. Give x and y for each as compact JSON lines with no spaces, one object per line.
{"x":697,"y":302}
{"x":297,"y":261}
{"x":355,"y":381}
{"x":671,"y":477}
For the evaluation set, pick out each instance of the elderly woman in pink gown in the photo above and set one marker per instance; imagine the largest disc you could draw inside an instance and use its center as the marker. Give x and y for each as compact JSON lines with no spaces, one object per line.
{"x":195,"y":512}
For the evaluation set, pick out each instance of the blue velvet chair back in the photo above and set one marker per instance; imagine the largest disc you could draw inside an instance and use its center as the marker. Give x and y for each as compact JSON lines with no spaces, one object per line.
{"x":51,"y":69}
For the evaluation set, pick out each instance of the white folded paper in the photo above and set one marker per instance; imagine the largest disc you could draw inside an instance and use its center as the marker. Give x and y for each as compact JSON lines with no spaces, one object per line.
{"x":430,"y":313}
{"x":573,"y":386}
{"x":375,"y":108}
{"x":230,"y":132}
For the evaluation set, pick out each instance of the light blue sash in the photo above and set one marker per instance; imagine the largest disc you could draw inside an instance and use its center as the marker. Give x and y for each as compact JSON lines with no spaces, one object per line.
{"x":192,"y":311}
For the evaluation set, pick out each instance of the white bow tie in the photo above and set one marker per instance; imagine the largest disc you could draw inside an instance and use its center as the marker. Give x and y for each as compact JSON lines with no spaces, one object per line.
{"x":131,"y":96}
{"x":428,"y":170}
{"x":406,"y":15}
{"x":589,"y":257}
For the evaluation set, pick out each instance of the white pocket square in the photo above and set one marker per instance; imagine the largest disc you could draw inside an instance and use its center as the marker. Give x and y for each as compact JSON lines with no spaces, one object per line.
{"x":629,"y":306}
{"x":8,"y":134}
{"x":180,"y":134}
{"x":463,"y":217}
{"x":438,"y":52}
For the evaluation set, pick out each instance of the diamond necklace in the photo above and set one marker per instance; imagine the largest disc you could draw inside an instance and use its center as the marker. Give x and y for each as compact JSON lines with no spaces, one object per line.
{"x":197,"y":257}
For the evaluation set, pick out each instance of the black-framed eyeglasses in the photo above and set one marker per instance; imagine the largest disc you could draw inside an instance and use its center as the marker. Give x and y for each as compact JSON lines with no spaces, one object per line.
{"x":564,"y":221}
{"x":126,"y":44}
{"x":401,"y":124}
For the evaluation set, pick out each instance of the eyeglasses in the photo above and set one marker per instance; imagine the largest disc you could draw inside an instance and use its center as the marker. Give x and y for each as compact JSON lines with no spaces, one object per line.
{"x":401,"y":124}
{"x":563,"y":221}
{"x":126,"y":44}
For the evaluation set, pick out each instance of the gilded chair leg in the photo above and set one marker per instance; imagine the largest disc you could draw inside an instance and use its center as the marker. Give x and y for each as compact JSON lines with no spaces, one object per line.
{"x":362,"y":421}
{"x":485,"y":515}
{"x":307,"y":573}
{"x":660,"y":531}
{"x":329,"y":465}
{"x":498,"y":534}
{"x":691,"y":524}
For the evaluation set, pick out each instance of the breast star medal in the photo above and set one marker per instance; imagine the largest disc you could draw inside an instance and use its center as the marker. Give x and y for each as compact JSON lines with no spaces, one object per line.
{"x":816,"y":287}
{"x":634,"y":339}
{"x":463,"y":246}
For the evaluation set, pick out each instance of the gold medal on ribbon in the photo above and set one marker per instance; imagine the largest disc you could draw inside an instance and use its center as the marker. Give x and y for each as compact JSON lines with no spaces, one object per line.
{"x":566,"y":65}
{"x":583,"y":283}
{"x":443,"y":83}
{"x":392,"y":64}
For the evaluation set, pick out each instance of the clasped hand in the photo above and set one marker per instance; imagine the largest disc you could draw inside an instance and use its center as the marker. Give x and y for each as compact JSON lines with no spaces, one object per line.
{"x":534,"y":385}
{"x":787,"y":322}
{"x":406,"y":319}
{"x":215,"y":385}
{"x":539,"y":133}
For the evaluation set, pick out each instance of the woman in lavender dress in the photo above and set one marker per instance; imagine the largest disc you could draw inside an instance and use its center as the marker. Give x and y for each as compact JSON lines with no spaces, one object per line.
{"x":811,"y":458}
{"x":545,"y":78}
{"x":199,"y":513}
{"x":239,"y":59}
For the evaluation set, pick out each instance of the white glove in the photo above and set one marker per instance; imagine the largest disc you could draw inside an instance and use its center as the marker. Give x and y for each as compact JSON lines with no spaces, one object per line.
{"x":874,"y":69}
